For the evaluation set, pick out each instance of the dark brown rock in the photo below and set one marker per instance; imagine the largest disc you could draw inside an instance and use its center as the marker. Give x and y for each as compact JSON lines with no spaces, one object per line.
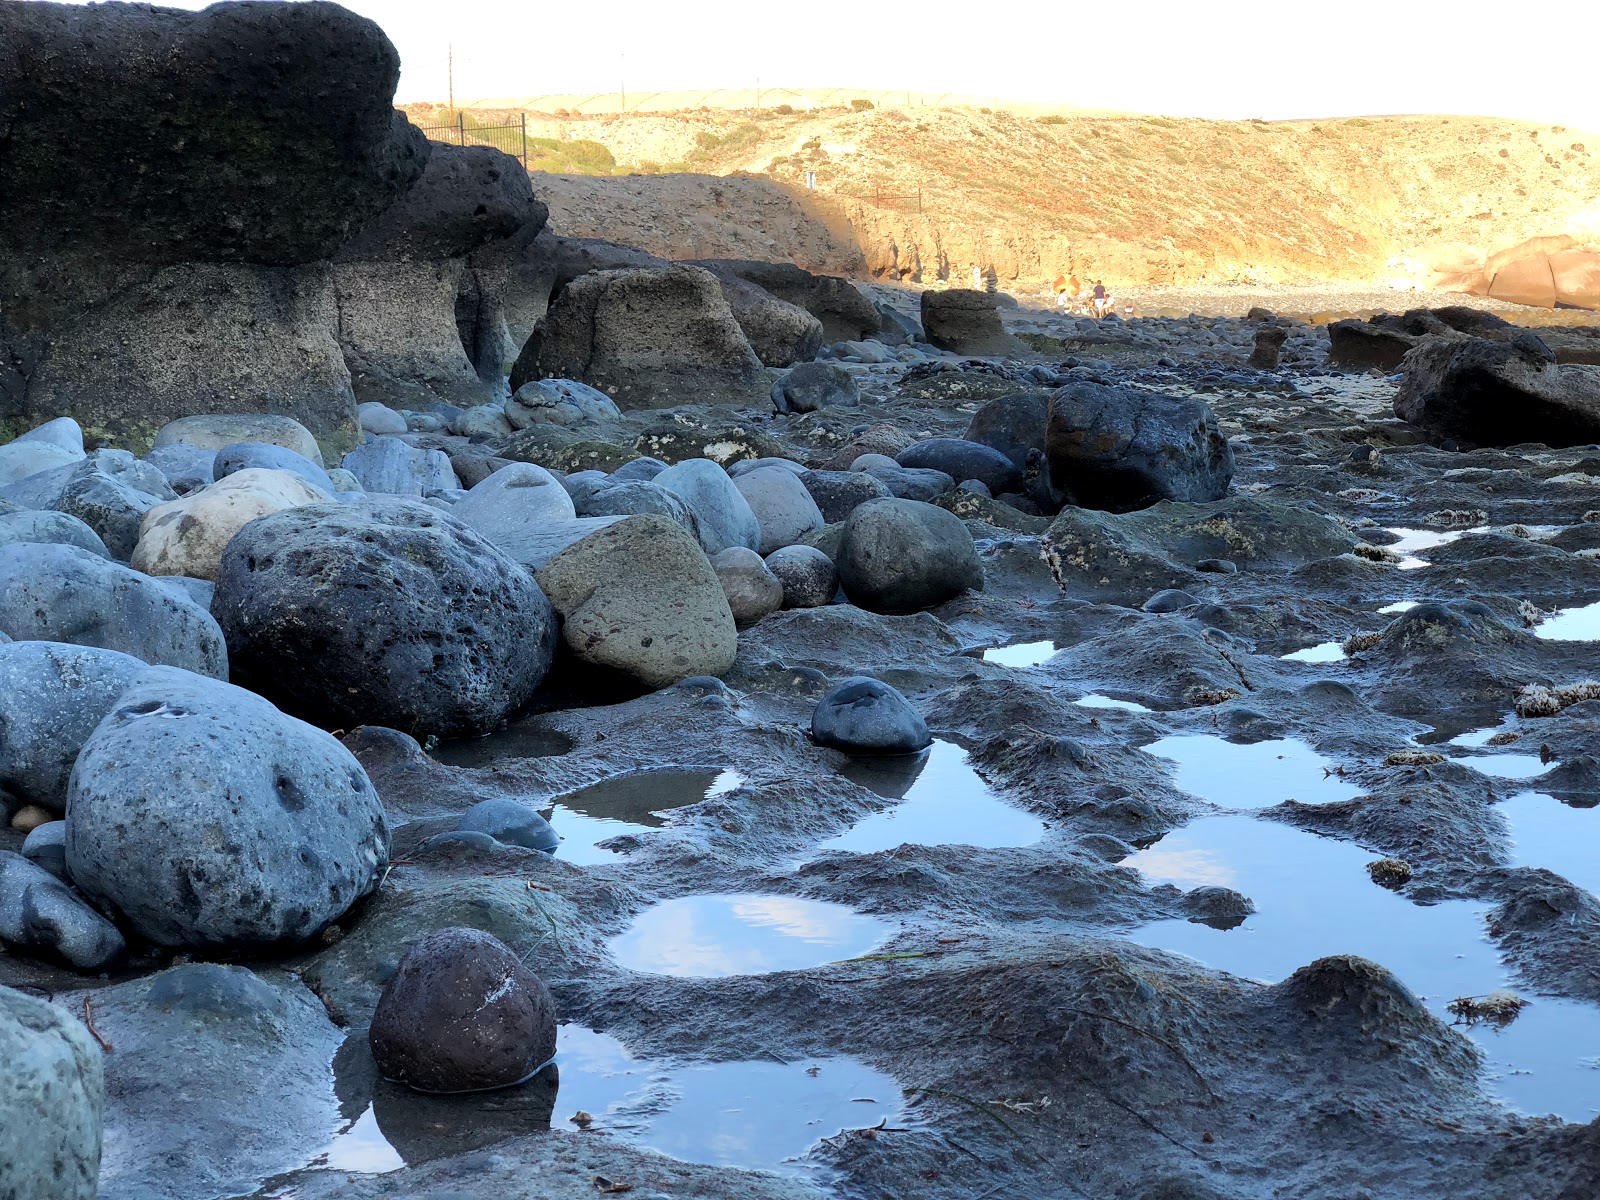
{"x":1490,"y":393}
{"x":965,"y":322}
{"x":462,"y":1014}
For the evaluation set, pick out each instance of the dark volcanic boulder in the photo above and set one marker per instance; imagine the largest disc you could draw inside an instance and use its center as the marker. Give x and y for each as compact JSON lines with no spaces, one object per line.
{"x":815,"y":385}
{"x":865,"y":716}
{"x":898,"y":556}
{"x":172,"y":262}
{"x":1120,"y":449}
{"x":1362,"y":346}
{"x":845,"y":313}
{"x":839,"y":493}
{"x":206,"y":817}
{"x":965,"y":322}
{"x":382,"y":611}
{"x":648,"y":339}
{"x":1268,"y":347}
{"x":963,"y":460}
{"x":462,"y":1014}
{"x":1492,"y":393}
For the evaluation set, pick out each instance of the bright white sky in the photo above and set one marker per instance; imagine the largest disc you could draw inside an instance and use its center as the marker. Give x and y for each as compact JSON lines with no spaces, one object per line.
{"x":1535,"y":59}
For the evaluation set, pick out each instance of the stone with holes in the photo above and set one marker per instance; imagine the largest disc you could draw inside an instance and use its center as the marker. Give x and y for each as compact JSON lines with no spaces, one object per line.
{"x":206,"y":817}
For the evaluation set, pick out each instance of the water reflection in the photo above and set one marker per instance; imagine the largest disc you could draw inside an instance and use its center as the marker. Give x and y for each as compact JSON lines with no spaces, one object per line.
{"x":1021,"y":654}
{"x":1322,"y":652}
{"x":1572,"y":625}
{"x":1313,"y":898}
{"x":744,"y":934}
{"x":1257,"y":775}
{"x":1556,"y":835}
{"x":629,"y":804}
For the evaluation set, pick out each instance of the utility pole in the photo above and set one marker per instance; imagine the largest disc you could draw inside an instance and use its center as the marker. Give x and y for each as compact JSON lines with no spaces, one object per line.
{"x":758,"y":93}
{"x":451,"y":68}
{"x":622,"y":72}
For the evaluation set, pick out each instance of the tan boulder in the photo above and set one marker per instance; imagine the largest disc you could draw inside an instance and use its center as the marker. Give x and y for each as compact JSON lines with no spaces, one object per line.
{"x":187,"y":536}
{"x":1525,"y":281}
{"x":1576,"y":274}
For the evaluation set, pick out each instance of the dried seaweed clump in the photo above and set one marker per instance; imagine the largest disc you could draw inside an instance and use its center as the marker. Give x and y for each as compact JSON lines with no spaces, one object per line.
{"x":1456,"y":518}
{"x":1499,"y":1008}
{"x":1380,"y":554}
{"x":1390,"y":872}
{"x":1357,"y":642}
{"x":1538,"y":700}
{"x":1413,"y":758}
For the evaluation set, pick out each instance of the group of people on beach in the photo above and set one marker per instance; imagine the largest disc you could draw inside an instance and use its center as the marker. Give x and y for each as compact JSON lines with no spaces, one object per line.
{"x":1070,"y":298}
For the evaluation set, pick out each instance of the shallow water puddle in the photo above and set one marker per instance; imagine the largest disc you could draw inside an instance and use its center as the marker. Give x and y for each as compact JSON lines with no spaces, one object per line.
{"x":1399,"y":606}
{"x":943,"y":801}
{"x":1412,"y":540}
{"x":521,"y":739}
{"x":1313,"y":898}
{"x":1322,"y":652}
{"x":1021,"y":655}
{"x":629,"y":804}
{"x":1095,"y":700}
{"x":713,"y":936}
{"x":1560,"y":837}
{"x":1572,"y":625}
{"x":759,"y":1115}
{"x":1507,"y":766}
{"x":1257,"y":775}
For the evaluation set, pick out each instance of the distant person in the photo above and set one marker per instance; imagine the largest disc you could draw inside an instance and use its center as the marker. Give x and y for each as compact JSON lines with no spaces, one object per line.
{"x":1101,"y":299}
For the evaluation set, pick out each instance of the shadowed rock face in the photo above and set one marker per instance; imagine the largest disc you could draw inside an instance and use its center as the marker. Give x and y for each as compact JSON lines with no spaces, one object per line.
{"x":1492,"y":393}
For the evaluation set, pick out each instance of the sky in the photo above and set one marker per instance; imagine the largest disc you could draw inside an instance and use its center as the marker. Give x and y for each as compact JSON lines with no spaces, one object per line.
{"x":1534,"y":60}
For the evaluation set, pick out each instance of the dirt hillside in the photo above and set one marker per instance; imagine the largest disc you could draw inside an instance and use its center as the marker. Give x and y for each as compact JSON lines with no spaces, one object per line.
{"x":927,"y":193}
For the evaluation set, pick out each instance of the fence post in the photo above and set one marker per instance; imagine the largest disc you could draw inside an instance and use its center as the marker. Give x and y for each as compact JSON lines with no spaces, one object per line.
{"x":919,"y":197}
{"x":524,"y":141}
{"x":461,"y":129}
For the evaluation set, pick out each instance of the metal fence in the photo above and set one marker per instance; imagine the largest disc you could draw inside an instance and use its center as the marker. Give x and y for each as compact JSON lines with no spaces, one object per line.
{"x":509,"y":139}
{"x":879,"y":197}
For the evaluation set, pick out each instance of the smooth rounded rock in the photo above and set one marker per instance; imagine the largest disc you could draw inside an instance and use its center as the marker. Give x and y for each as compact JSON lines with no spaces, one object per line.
{"x":52,"y":1093}
{"x":63,"y":432}
{"x":264,"y":456}
{"x":388,"y":466}
{"x":379,"y":418}
{"x":40,"y":912}
{"x":839,"y":493}
{"x":52,"y":697}
{"x":511,"y":500}
{"x":382,"y":611}
{"x":217,"y":431}
{"x":558,"y":402}
{"x":641,"y":469}
{"x":206,"y":817}
{"x":19,"y":460}
{"x":46,"y":847}
{"x":752,"y":590}
{"x":187,"y":536}
{"x":723,"y":514}
{"x":187,"y":468}
{"x":900,"y":556}
{"x":510,"y":822}
{"x":808,"y":576}
{"x":861,"y":715}
{"x":913,"y":483}
{"x":63,"y":594}
{"x":961,"y":459}
{"x":815,"y":385}
{"x":784,"y":509}
{"x":462,"y":1014}
{"x":50,"y":528}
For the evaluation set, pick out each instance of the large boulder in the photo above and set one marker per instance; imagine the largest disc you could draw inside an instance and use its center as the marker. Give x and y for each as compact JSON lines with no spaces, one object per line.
{"x":814,"y":385}
{"x":784,"y":509}
{"x":389,"y":466}
{"x":866,"y":716}
{"x":206,"y":817}
{"x":780,"y":333}
{"x":752,"y":590}
{"x":53,"y":593}
{"x":845,"y":313}
{"x":51,"y":1096}
{"x":512,"y":502}
{"x":40,"y":912}
{"x":965,"y":322}
{"x":262,"y":137}
{"x":648,"y":339}
{"x":187,"y":536}
{"x":462,"y":1014}
{"x":1120,"y":449}
{"x":1492,"y":393}
{"x":1576,"y":275}
{"x":265,"y":456}
{"x":639,"y":597}
{"x":110,"y":491}
{"x":558,"y":402}
{"x":898,"y":556}
{"x":1364,"y":346}
{"x":52,"y":696}
{"x":382,"y":611}
{"x":963,"y":460}
{"x":220,"y":431}
{"x":50,"y":527}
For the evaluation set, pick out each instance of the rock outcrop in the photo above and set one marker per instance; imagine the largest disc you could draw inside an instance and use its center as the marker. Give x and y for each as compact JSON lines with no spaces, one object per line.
{"x":1491,"y":393}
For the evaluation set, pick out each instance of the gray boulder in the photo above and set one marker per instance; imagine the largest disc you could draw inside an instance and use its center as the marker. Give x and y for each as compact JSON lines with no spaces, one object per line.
{"x":218,"y":431}
{"x":52,"y":696}
{"x":779,"y":332}
{"x":963,"y":460}
{"x":46,"y":847}
{"x":845,"y":313}
{"x":60,"y":593}
{"x":899,"y":556}
{"x":511,"y":823}
{"x":244,"y":456}
{"x":752,"y":590}
{"x":40,"y":912}
{"x":642,"y":469}
{"x":382,"y":611}
{"x":110,"y":491}
{"x":180,"y":758}
{"x":513,"y":501}
{"x":51,"y":1096}
{"x":839,"y":493}
{"x":378,"y":418}
{"x":559,"y":402}
{"x":462,"y":1014}
{"x":22,"y":458}
{"x":723,"y":515}
{"x":1117,"y":449}
{"x":784,"y":509}
{"x":815,"y":385}
{"x":387,"y":466}
{"x":187,"y":468}
{"x":46,"y":528}
{"x":1492,"y":393}
{"x":648,"y":338}
{"x":865,"y":716}
{"x":636,"y":498}
{"x":807,"y":575}
{"x":912,"y":483}
{"x":639,"y":597}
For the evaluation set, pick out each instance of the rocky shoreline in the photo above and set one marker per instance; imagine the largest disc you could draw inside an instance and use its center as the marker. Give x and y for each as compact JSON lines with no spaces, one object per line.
{"x":709,"y":729}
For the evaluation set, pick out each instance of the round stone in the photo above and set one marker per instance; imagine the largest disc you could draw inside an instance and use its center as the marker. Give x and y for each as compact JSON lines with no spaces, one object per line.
{"x":866,"y":716}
